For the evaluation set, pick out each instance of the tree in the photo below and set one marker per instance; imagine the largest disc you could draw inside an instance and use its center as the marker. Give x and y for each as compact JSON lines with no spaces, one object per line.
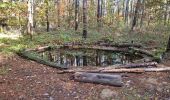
{"x":76,"y":14}
{"x":30,"y":17}
{"x":58,"y":12}
{"x":127,"y":11}
{"x":142,"y":15}
{"x":84,"y":19}
{"x":47,"y":16}
{"x":135,"y":17}
{"x":99,"y":12}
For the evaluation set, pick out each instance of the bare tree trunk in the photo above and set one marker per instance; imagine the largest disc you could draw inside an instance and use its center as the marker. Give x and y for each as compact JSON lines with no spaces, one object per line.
{"x":84,"y":19}
{"x":76,"y":14}
{"x":142,"y":15}
{"x":135,"y":17}
{"x":127,"y":11}
{"x":47,"y":17}
{"x":168,"y":17}
{"x":58,"y":12}
{"x":168,"y":45}
{"x":99,"y":13}
{"x":165,"y":13}
{"x":30,"y":24}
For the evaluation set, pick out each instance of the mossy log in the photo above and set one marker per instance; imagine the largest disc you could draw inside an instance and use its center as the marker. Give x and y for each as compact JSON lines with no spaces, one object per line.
{"x":99,"y":78}
{"x":28,"y":55}
{"x":141,"y":51}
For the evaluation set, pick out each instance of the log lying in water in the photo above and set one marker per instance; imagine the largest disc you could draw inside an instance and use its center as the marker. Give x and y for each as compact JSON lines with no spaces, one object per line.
{"x":98,"y":78}
{"x":30,"y":56}
{"x":122,"y":70}
{"x":138,"y":65}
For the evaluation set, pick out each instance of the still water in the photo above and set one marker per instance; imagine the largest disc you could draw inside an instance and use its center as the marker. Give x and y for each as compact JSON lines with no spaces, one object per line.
{"x":88,"y":57}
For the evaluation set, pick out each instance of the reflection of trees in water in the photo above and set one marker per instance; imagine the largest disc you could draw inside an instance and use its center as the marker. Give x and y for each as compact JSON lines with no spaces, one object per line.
{"x":87,"y":57}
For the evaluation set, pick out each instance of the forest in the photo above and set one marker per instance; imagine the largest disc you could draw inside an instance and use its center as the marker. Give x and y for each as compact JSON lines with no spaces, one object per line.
{"x":85,"y":49}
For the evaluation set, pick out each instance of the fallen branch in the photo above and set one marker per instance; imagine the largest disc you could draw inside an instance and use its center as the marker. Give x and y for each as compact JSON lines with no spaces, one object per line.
{"x":127,"y":45}
{"x":122,"y":70}
{"x":137,"y":65}
{"x":106,"y":79}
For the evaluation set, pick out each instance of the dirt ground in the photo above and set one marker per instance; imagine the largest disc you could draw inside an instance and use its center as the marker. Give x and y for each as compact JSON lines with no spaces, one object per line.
{"x":22,"y":79}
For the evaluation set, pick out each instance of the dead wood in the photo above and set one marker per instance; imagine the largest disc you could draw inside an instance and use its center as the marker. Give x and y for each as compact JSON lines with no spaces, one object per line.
{"x":138,"y":65}
{"x":122,"y":70}
{"x":98,"y":78}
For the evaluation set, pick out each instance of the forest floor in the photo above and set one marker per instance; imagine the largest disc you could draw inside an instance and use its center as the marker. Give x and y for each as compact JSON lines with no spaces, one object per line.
{"x":22,"y":79}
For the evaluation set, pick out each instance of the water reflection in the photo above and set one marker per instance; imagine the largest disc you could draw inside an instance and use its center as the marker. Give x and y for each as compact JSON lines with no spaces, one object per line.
{"x":81,"y":57}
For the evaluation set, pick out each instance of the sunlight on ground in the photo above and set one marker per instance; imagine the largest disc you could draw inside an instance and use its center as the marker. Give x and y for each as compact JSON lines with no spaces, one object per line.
{"x":10,"y":36}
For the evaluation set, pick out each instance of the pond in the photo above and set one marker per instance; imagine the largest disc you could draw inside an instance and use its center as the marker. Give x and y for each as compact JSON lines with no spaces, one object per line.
{"x":88,"y":57}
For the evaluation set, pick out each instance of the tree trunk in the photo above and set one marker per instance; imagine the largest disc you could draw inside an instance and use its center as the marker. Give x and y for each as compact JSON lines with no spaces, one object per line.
{"x":76,"y":14}
{"x":165,"y":13}
{"x":127,"y":12}
{"x":30,"y":18}
{"x":47,"y":17}
{"x":58,"y":12}
{"x":84,"y":19}
{"x":142,"y":15}
{"x":99,"y":14}
{"x":168,"y":45}
{"x":105,"y":79}
{"x":135,"y":17}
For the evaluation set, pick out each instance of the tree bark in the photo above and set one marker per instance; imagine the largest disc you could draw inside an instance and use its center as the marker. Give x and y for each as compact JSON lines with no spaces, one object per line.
{"x":143,"y":11}
{"x":58,"y":12}
{"x":84,"y":19}
{"x":138,"y":65}
{"x":168,"y":45}
{"x":165,"y":13}
{"x":30,"y":24}
{"x":127,"y":12}
{"x":122,"y":70}
{"x":99,"y":13}
{"x":76,"y":14}
{"x":135,"y":17}
{"x":105,"y":79}
{"x":47,"y":16}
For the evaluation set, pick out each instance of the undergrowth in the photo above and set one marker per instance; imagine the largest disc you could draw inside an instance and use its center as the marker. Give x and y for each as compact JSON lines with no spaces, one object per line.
{"x":147,"y":38}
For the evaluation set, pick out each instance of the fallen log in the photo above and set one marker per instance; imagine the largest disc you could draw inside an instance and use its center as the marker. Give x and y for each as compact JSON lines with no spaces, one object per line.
{"x":137,"y":65}
{"x":127,"y":45}
{"x":141,"y":51}
{"x":98,"y":78}
{"x":39,"y":49}
{"x":44,"y":48}
{"x":122,"y":70}
{"x":116,"y":49}
{"x":30,"y":56}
